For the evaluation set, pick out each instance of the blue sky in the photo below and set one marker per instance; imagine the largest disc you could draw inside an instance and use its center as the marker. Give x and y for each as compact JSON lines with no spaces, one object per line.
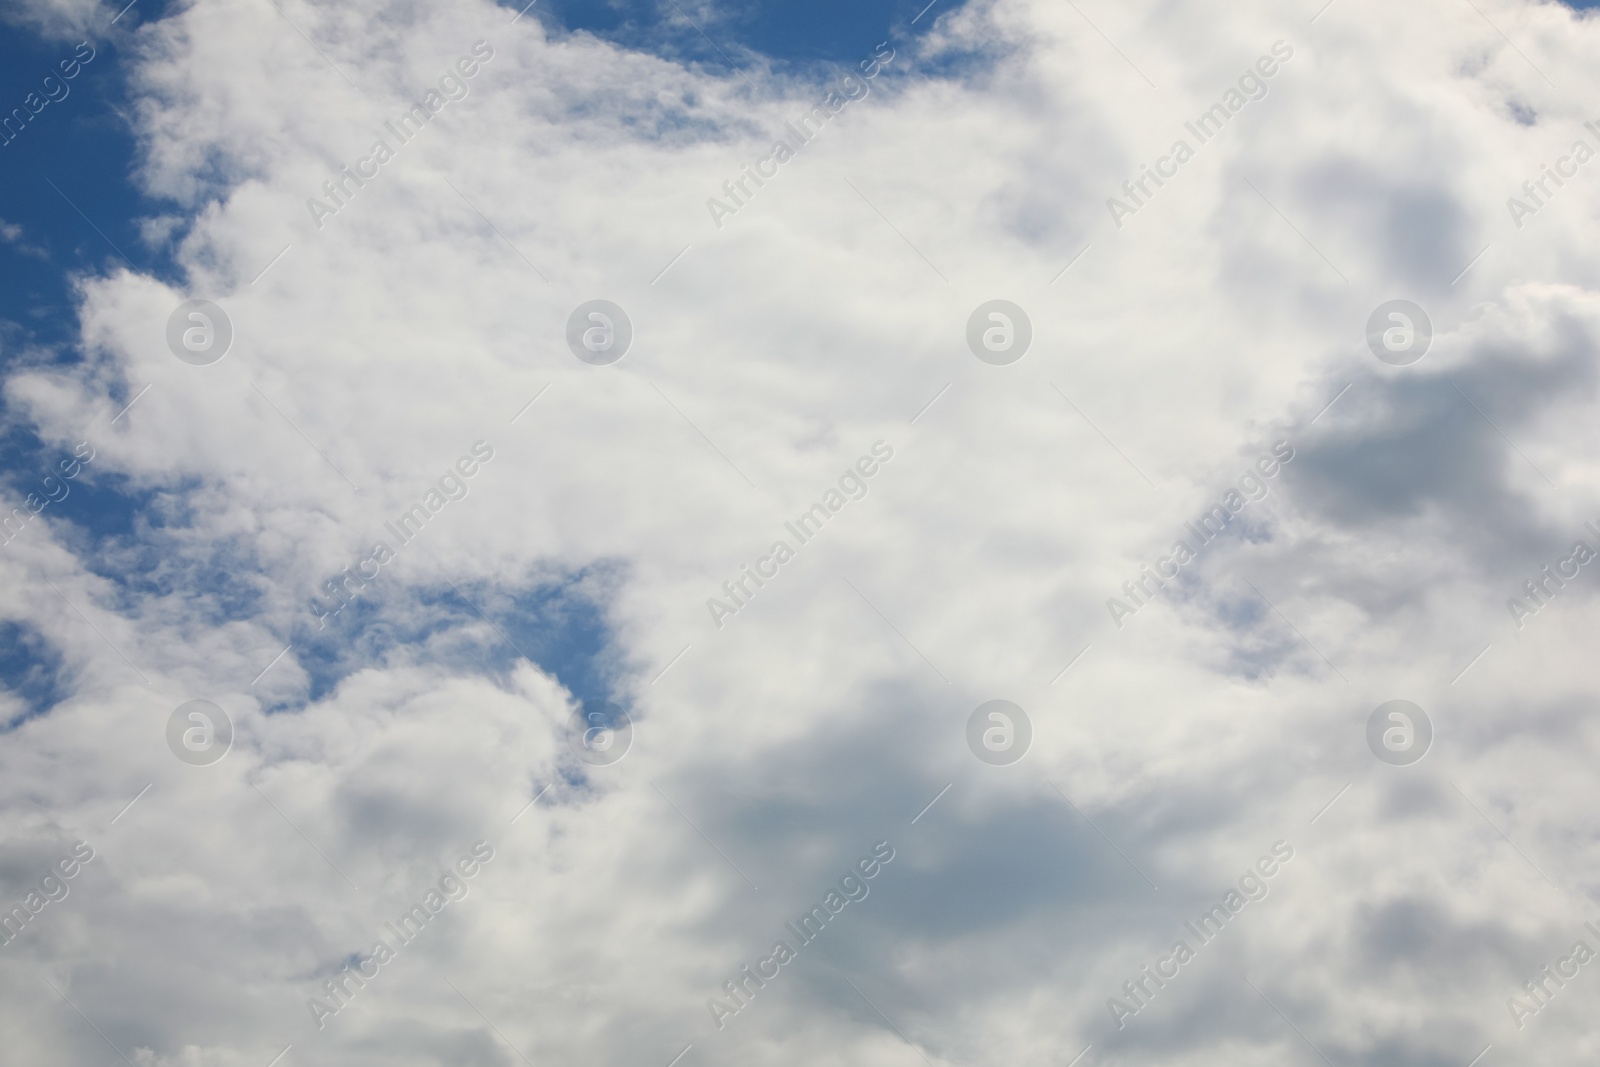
{"x":84,"y":145}
{"x":830,"y":30}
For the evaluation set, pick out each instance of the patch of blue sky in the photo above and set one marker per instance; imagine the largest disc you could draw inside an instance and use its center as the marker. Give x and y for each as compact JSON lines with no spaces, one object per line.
{"x":798,"y":39}
{"x":69,"y":208}
{"x":560,"y":625}
{"x":31,"y":670}
{"x":67,"y":197}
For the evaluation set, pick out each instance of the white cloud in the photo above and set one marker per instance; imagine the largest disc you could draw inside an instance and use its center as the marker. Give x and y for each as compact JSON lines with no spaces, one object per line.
{"x":1220,"y":319}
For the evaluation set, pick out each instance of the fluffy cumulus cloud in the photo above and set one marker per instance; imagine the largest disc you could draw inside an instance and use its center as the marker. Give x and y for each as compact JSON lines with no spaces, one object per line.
{"x":413,"y":546}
